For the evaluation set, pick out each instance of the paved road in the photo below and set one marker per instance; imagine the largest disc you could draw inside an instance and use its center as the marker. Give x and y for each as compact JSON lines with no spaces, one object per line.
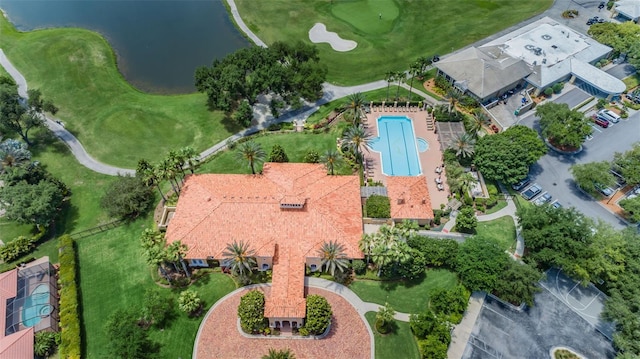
{"x":552,"y":171}
{"x":621,"y":71}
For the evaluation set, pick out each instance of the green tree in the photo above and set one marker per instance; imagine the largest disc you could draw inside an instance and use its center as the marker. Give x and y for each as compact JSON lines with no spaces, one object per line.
{"x":331,"y":160}
{"x":466,"y":220}
{"x":244,"y":114}
{"x":127,"y":340}
{"x":127,"y":197}
{"x":423,"y":323}
{"x":167,"y":171}
{"x":189,"y":302}
{"x":399,"y":77}
{"x":251,"y":312}
{"x":479,"y":119}
{"x":628,"y":164}
{"x":623,"y":37}
{"x":45,"y":343}
{"x":384,"y":318}
{"x":318,"y":314}
{"x":149,"y":176}
{"x":518,"y":283}
{"x":333,"y":257}
{"x":279,"y":354}
{"x":174,"y":253}
{"x":378,"y":206}
{"x":239,"y":257}
{"x":251,"y":153}
{"x":480,"y":263}
{"x":589,"y":175}
{"x":463,"y":144}
{"x":354,"y":104}
{"x":19,"y":119}
{"x":390,"y":76}
{"x":277,"y":154}
{"x":437,"y":252}
{"x":563,"y":127}
{"x":414,"y":70}
{"x":37,"y":204}
{"x":388,"y":247}
{"x":506,"y":156}
{"x":450,"y":303}
{"x":13,"y":153}
{"x":631,"y":207}
{"x":356,"y":137}
{"x":433,"y":348}
{"x":191,"y":158}
{"x":155,"y":308}
{"x":454,"y":96}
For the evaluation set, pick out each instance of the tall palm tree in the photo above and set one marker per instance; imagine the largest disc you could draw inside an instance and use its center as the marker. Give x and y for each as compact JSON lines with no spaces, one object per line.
{"x":465,"y":182}
{"x":149,"y":176}
{"x":166,"y":171}
{"x":366,"y":245}
{"x":355,"y":101}
{"x":479,"y":119}
{"x":190,"y":157}
{"x":454,"y":97}
{"x":177,"y":160}
{"x":13,"y":153}
{"x":174,"y":254}
{"x":252,"y":153}
{"x":414,"y":70}
{"x":331,"y":159}
{"x":357,"y":137}
{"x":464,"y":145}
{"x":279,"y":354}
{"x":400,"y":75}
{"x":333,"y":257}
{"x":239,"y":257}
{"x":423,"y":63}
{"x":390,"y":76}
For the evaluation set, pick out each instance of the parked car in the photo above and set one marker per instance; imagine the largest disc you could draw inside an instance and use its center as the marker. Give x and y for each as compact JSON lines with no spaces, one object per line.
{"x":544,"y":198}
{"x":607,"y":191}
{"x":520,"y":185}
{"x":532,"y":191}
{"x":600,"y":121}
{"x":556,"y":204}
{"x":609,"y":115}
{"x":634,"y":96}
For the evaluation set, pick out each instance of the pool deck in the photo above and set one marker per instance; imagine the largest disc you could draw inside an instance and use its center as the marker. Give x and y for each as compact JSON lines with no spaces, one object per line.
{"x":429,"y":160}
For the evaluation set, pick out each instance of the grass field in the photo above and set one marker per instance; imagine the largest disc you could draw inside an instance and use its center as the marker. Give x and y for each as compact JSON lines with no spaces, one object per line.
{"x":404,"y":297}
{"x":502,"y":230}
{"x":632,"y":81}
{"x":406,"y":30}
{"x":116,"y":123}
{"x":398,"y":344}
{"x":115,"y":276}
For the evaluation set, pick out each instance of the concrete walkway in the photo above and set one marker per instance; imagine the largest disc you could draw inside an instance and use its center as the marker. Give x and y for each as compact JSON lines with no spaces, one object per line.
{"x":461,"y":332}
{"x":55,"y":126}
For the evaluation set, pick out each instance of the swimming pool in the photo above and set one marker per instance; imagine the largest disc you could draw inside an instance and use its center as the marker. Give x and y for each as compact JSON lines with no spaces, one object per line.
{"x":36,"y":306}
{"x":398,"y":147}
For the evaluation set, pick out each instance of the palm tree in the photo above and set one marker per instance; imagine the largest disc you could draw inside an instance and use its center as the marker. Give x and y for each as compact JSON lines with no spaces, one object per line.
{"x":479,"y":119}
{"x":177,"y":160}
{"x":454,"y":97}
{"x":252,"y":153}
{"x":238,"y":257}
{"x":279,"y":354}
{"x":355,"y":137}
{"x":390,"y":76}
{"x":463,"y":144}
{"x":389,"y":247}
{"x":414,"y":70}
{"x":333,"y":257}
{"x":149,"y":176}
{"x":13,"y":153}
{"x":174,"y":254}
{"x":384,"y":317}
{"x":366,"y":245}
{"x":190,"y":157}
{"x":423,"y":62}
{"x":463,"y":183}
{"x":331,"y":159}
{"x":400,"y":75}
{"x":166,"y":171}
{"x":355,"y":101}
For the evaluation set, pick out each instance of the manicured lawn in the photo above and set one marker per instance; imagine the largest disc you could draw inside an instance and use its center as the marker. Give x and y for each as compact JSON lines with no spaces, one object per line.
{"x":116,"y":123}
{"x":500,"y":205}
{"x":632,"y":81}
{"x":406,"y":298}
{"x":503,"y":230}
{"x":115,"y":276}
{"x":296,"y":145}
{"x":398,"y":344}
{"x":407,"y":29}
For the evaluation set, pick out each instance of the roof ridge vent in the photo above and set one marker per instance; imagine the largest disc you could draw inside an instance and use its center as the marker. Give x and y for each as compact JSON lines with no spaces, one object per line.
{"x":292,"y":202}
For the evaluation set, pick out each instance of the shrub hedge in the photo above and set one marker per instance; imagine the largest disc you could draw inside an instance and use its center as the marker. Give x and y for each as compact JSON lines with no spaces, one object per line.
{"x":20,"y":246}
{"x":318,"y":314}
{"x":70,"y":339}
{"x":378,"y":207}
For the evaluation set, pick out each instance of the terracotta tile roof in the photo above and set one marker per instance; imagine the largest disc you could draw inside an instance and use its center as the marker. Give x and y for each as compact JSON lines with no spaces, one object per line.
{"x":294,"y":205}
{"x":409,"y":197}
{"x":18,"y":345}
{"x":287,"y":283}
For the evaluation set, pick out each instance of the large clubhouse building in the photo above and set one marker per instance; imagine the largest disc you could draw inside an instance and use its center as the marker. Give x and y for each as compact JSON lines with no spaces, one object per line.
{"x":285,"y":215}
{"x":537,"y":56}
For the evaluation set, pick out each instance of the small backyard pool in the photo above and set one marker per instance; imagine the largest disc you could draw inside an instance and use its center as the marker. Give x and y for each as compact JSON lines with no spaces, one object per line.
{"x":36,"y":306}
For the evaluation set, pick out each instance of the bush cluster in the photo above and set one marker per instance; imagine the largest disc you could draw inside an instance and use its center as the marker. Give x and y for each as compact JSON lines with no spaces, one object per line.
{"x":19,"y":246}
{"x":318,"y":314}
{"x":378,"y":207}
{"x":251,"y":312}
{"x":70,"y":340}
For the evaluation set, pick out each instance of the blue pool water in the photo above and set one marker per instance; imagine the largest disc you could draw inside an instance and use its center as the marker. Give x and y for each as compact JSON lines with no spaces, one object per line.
{"x":423,"y":145}
{"x":36,"y":306}
{"x":397,"y":144}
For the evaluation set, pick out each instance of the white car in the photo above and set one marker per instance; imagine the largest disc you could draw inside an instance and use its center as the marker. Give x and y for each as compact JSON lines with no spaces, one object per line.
{"x":609,"y":115}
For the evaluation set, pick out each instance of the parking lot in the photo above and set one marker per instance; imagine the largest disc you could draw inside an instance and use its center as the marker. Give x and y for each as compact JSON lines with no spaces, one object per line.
{"x":552,"y":171}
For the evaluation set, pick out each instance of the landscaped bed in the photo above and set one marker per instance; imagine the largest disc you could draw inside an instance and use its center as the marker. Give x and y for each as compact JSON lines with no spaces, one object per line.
{"x":400,"y":343}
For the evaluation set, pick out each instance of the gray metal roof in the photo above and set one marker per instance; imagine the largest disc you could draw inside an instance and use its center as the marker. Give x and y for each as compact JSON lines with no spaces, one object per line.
{"x":366,"y":192}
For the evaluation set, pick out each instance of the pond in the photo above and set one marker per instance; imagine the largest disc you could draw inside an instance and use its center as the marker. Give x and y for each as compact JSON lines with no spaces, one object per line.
{"x":159,"y":43}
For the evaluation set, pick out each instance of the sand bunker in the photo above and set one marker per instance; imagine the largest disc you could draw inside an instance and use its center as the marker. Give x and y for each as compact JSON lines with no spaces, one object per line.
{"x":319,"y":34}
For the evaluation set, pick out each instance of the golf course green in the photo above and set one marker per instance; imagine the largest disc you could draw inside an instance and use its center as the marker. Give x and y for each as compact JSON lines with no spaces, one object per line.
{"x":390,"y":33}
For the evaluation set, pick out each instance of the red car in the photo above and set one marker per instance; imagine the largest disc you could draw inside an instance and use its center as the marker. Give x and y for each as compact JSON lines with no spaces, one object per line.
{"x":600,"y":121}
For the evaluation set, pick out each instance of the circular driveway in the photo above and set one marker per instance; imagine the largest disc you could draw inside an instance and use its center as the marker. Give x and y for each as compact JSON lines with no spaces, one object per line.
{"x":218,"y":336}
